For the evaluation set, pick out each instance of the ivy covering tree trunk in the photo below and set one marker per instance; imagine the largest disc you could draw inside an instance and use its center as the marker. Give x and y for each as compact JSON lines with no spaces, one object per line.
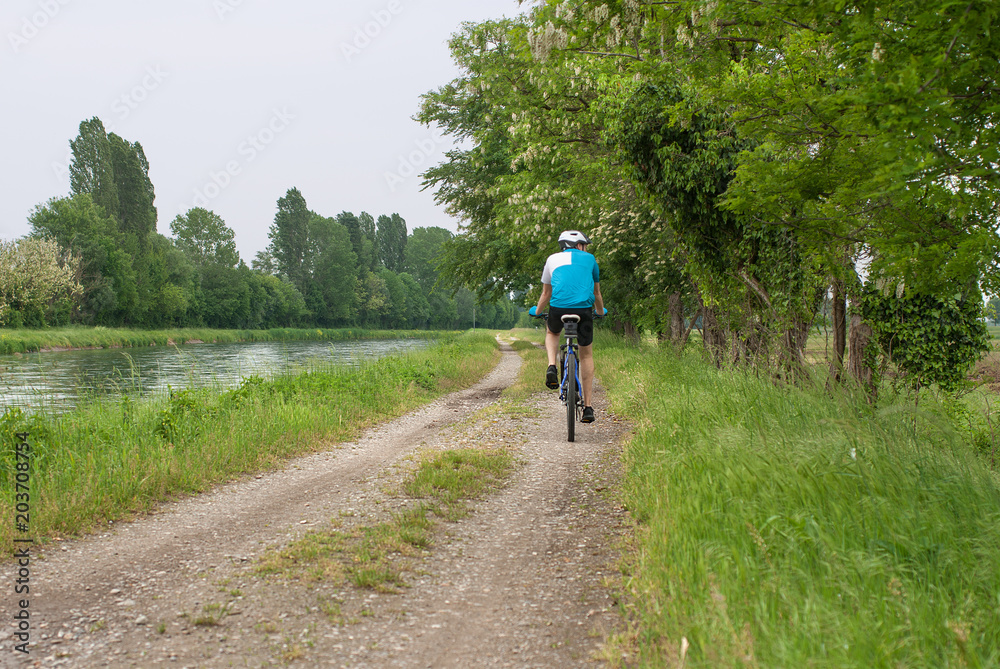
{"x":860,"y":356}
{"x":838,"y":317}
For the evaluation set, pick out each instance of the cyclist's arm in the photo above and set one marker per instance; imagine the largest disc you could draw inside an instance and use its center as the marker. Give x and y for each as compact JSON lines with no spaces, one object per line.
{"x":598,"y":300}
{"x":543,"y":301}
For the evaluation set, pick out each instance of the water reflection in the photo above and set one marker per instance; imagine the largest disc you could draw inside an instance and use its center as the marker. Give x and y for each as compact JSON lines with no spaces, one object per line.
{"x":59,"y":380}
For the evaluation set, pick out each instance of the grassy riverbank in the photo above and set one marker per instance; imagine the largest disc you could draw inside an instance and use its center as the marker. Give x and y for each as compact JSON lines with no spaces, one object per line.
{"x":28,"y":341}
{"x":779,"y":527}
{"x":116,"y":458}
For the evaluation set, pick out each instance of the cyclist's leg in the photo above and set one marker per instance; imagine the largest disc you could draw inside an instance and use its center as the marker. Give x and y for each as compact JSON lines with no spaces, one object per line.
{"x":551,"y":345}
{"x":586,"y":371}
{"x":553,"y":329}
{"x":552,"y":350}
{"x":587,"y":354}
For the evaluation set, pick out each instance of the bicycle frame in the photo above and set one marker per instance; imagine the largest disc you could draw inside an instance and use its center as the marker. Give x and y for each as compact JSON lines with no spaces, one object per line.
{"x":570,"y":349}
{"x":570,"y":389}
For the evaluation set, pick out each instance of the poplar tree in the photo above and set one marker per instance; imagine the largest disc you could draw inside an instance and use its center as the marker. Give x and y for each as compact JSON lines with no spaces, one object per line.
{"x":92,"y":170}
{"x":390,"y":240}
{"x":136,"y":212}
{"x":290,"y":238}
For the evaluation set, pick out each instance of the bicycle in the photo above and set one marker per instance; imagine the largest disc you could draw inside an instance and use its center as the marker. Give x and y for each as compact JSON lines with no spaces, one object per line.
{"x":570,"y":394}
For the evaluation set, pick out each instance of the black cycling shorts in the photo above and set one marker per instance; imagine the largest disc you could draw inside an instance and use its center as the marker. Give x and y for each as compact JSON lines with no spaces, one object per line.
{"x":585,"y":330}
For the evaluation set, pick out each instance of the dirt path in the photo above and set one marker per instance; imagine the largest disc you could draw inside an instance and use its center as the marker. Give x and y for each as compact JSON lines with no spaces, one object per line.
{"x":522,"y":582}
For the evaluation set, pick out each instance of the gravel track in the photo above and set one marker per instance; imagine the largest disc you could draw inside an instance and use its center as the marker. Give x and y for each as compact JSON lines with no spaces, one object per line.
{"x":527,"y":580}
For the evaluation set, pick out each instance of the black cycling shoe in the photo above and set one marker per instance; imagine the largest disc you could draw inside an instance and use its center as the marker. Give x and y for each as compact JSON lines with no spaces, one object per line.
{"x":551,"y":377}
{"x":588,"y":415}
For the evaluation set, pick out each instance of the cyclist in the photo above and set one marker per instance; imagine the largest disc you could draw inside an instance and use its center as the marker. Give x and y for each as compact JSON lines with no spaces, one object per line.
{"x":571,"y":284}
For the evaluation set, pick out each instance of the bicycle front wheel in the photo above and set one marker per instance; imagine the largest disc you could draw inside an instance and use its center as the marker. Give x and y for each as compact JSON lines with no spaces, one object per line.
{"x":571,"y":396}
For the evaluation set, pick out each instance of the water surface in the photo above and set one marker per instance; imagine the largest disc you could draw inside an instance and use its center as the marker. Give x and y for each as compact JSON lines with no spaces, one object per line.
{"x":59,"y":380}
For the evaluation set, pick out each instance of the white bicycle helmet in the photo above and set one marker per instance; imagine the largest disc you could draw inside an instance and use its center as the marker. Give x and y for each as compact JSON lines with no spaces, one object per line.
{"x":571,"y":238}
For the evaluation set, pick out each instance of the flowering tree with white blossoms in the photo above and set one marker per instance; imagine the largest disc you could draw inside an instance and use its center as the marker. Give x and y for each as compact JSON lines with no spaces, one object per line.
{"x":36,"y":275}
{"x":734,"y":160}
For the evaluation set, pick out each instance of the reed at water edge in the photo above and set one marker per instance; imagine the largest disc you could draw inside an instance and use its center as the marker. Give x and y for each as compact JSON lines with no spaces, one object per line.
{"x":78,"y":337}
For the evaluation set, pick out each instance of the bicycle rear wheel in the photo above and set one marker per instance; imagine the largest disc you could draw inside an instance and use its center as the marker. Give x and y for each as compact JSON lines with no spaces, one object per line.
{"x":571,"y":395}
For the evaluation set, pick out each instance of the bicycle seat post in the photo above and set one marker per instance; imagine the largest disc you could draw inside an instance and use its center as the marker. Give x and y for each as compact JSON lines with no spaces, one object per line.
{"x":570,"y":324}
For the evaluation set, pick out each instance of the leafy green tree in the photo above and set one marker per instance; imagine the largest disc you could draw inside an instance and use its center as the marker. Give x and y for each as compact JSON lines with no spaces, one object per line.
{"x":227,"y":296}
{"x":930,"y":339}
{"x":115,"y":173}
{"x":366,"y":223}
{"x":362,"y":240}
{"x":136,"y":213}
{"x":499,"y":315}
{"x":390,"y":239}
{"x":264,"y":263}
{"x":537,"y":164}
{"x":177,"y":289}
{"x":109,"y":282}
{"x":496,"y":84}
{"x":92,"y":170}
{"x":289,"y":235}
{"x":993,"y":310}
{"x":318,"y":254}
{"x":173,"y":303}
{"x":423,"y":252}
{"x":443,"y":311}
{"x":334,"y":271}
{"x":205,"y":237}
{"x":418,"y":308}
{"x":283,"y":304}
{"x":465,"y":308}
{"x":394,"y":314}
{"x":372,"y":298}
{"x":755,"y":279}
{"x":875,"y":136}
{"x":862,"y":145}
{"x":166,"y":282}
{"x":733,"y":160}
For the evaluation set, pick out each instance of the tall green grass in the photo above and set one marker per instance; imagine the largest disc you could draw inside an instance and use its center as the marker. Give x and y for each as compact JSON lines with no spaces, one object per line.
{"x":114,"y":458}
{"x":25,"y":341}
{"x":782,"y":527}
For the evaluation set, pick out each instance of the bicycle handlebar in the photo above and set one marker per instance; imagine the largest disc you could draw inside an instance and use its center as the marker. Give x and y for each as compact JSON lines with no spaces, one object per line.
{"x":545,"y":314}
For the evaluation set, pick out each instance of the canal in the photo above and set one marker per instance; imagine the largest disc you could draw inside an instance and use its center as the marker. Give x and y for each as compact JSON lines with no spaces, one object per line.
{"x":59,"y":380}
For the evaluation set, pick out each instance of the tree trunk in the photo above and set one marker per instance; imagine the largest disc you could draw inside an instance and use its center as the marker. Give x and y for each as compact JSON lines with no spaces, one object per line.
{"x":857,"y":362}
{"x":631,"y":332}
{"x":793,"y":344}
{"x":676,"y":310}
{"x":839,"y":316}
{"x":714,"y":335}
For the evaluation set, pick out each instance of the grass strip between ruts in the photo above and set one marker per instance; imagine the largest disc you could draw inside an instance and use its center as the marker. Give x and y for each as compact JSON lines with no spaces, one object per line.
{"x":373,"y":556}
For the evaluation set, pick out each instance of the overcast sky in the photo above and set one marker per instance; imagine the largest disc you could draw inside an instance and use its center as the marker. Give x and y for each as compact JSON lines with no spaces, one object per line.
{"x":233,"y":101}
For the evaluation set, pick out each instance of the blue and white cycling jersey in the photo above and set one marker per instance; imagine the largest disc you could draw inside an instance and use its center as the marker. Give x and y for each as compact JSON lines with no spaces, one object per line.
{"x":572,"y":274}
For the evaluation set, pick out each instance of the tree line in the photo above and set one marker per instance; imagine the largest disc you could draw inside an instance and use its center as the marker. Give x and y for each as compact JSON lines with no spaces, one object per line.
{"x":738,"y":164}
{"x":95,"y":257}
